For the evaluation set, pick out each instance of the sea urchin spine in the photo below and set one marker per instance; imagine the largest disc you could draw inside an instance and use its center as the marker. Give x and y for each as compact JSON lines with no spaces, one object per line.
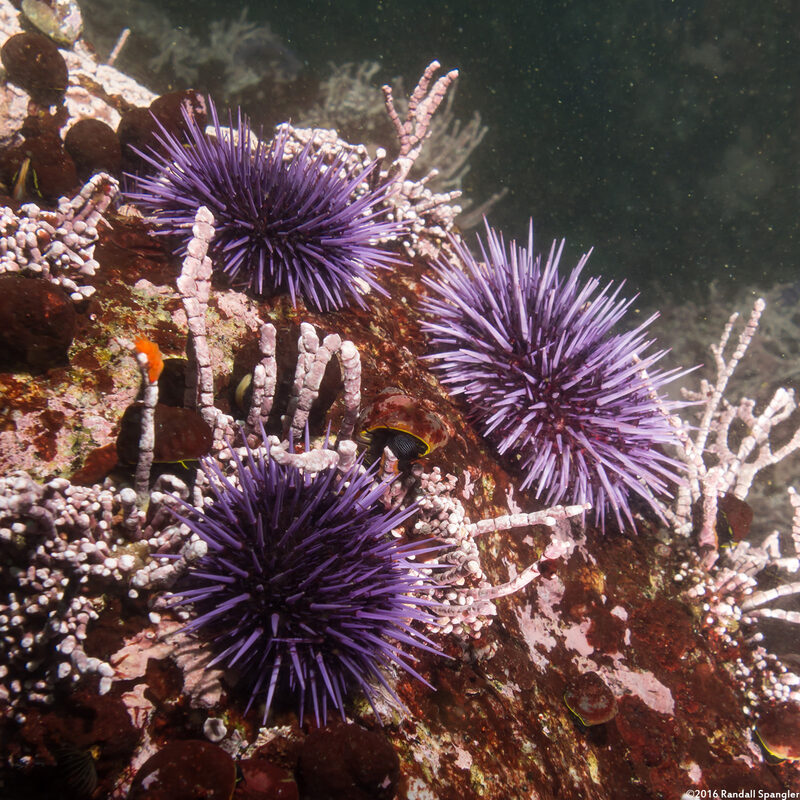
{"x":283,"y":224}
{"x":547,"y":379}
{"x":302,"y":587}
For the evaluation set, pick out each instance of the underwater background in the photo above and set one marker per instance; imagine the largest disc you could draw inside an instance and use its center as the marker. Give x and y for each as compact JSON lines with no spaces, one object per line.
{"x":664,"y":134}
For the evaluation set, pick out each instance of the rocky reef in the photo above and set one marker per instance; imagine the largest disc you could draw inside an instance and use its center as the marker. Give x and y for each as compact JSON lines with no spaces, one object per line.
{"x":542,"y":658}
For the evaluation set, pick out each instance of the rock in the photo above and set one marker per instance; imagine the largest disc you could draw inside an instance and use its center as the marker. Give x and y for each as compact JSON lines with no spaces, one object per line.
{"x":61,"y":20}
{"x":37,"y":323}
{"x":94,"y":147}
{"x":33,"y":62}
{"x":181,"y":435}
{"x":185,"y":770}
{"x":348,"y":763}
{"x":263,"y":780}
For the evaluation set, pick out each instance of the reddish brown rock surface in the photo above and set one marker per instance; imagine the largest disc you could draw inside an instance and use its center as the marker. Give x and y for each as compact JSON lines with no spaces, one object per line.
{"x":497,"y":725}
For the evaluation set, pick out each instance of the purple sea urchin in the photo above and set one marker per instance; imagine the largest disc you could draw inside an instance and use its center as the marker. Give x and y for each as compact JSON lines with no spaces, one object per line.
{"x":283,"y":224}
{"x":301,"y":586}
{"x":547,"y":379}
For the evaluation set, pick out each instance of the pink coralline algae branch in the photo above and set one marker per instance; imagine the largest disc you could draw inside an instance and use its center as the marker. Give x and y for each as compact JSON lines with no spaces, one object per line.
{"x":194,"y":284}
{"x":724,"y":452}
{"x":58,"y":245}
{"x":465,"y":596}
{"x":428,"y":215}
{"x":718,"y":459}
{"x":147,"y":436}
{"x":734,"y":606}
{"x":415,"y":128}
{"x":313,"y":358}
{"x":62,"y":546}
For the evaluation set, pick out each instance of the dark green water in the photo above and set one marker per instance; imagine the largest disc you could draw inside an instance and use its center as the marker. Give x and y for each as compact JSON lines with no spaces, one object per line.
{"x":663,"y":133}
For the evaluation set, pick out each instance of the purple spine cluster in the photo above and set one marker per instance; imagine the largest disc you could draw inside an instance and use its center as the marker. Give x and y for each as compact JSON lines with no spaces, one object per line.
{"x":548,"y":378}
{"x":301,"y":225}
{"x":302,"y":589}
